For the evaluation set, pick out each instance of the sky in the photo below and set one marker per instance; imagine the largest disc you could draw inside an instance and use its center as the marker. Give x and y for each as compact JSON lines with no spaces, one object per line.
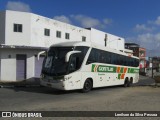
{"x":137,"y":21}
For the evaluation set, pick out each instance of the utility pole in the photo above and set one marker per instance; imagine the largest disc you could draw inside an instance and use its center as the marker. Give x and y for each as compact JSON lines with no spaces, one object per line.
{"x":105,"y":40}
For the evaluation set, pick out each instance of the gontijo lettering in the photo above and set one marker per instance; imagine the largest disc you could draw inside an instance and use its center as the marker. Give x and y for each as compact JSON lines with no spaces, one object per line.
{"x":105,"y":69}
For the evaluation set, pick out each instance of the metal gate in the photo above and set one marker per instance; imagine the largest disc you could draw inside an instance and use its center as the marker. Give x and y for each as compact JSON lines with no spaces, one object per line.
{"x":38,"y":66}
{"x":20,"y":66}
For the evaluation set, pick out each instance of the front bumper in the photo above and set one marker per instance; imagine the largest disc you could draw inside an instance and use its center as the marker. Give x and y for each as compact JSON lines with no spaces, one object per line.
{"x":57,"y":84}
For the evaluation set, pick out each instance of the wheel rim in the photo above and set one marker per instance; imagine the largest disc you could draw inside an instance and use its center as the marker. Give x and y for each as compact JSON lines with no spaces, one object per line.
{"x":87,"y":85}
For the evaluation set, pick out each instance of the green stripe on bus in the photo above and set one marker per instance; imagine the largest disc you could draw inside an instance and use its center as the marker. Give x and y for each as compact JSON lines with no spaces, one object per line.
{"x":93,"y":66}
{"x":119,"y":76}
{"x":121,"y":71}
{"x":133,"y":70}
{"x":111,"y":69}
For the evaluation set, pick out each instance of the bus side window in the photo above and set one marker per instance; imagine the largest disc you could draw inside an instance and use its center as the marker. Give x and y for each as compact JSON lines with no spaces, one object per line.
{"x":75,"y":62}
{"x":92,"y":57}
{"x":115,"y":59}
{"x":108,"y":58}
{"x":125,"y":60}
{"x":136,"y":63}
{"x":72,"y":66}
{"x":100,"y":56}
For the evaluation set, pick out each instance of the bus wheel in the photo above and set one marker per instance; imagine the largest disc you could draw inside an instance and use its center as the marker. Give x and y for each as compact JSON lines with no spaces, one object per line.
{"x":126,"y":83}
{"x":130,"y":82}
{"x":87,"y":86}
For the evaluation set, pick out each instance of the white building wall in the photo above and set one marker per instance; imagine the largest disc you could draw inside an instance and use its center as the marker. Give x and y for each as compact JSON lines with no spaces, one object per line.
{"x":18,"y":38}
{"x":2,"y":27}
{"x":8,"y":65}
{"x":113,"y":41}
{"x":33,"y":30}
{"x":39,"y":23}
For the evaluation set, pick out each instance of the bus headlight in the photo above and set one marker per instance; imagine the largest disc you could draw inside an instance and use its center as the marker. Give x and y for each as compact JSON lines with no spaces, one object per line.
{"x":42,"y":76}
{"x":67,"y":78}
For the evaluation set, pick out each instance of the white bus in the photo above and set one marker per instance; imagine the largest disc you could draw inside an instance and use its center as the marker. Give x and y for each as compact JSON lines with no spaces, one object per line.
{"x":82,"y":65}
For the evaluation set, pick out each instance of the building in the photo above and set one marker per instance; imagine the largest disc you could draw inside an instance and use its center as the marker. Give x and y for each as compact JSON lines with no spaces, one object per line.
{"x":139,"y":52}
{"x":23,"y":35}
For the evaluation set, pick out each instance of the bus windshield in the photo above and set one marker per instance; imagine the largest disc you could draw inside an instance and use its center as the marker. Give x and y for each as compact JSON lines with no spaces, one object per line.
{"x":54,"y":63}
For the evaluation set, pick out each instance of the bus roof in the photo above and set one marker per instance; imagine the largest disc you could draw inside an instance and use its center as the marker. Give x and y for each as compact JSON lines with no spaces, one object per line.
{"x":89,"y":44}
{"x":74,"y":43}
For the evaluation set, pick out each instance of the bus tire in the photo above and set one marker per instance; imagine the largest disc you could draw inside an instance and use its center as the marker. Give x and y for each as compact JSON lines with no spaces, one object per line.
{"x":126,"y":83}
{"x":130,"y":82}
{"x":87,"y":86}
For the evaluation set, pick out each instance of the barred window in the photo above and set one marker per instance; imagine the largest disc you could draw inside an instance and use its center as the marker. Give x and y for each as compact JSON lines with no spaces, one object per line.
{"x":58,"y":34}
{"x":47,"y":32}
{"x":83,"y":38}
{"x":67,"y":36}
{"x":17,"y":27}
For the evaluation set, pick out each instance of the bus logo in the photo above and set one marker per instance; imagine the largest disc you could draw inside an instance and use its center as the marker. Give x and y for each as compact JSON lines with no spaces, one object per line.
{"x":112,"y":69}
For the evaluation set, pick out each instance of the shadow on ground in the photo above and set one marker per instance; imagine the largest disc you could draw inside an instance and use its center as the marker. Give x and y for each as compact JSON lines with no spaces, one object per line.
{"x":32,"y":85}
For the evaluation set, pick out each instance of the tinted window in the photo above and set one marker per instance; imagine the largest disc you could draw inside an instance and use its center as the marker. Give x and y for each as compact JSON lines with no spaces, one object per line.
{"x":93,"y":57}
{"x":101,"y":56}
{"x":76,"y":60}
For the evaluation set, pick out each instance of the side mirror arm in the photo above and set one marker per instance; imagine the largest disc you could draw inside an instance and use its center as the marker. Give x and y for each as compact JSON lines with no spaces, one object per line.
{"x":69,"y":54}
{"x":40,"y":53}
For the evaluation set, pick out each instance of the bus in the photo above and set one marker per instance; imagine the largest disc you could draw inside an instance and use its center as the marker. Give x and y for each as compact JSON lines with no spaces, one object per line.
{"x":82,"y":65}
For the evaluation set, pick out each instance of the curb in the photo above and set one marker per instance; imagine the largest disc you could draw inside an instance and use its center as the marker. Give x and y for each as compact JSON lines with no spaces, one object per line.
{"x":18,"y":86}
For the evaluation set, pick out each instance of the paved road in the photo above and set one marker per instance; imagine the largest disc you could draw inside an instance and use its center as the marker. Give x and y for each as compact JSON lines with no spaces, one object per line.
{"x":137,"y":98}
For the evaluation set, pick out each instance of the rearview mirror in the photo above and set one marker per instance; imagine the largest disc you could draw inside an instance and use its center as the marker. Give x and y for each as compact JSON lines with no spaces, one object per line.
{"x":40,"y":53}
{"x":69,"y":54}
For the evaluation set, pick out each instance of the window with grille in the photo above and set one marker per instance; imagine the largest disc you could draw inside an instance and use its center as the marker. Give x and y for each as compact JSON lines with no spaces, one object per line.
{"x":67,"y":36}
{"x":47,"y":32}
{"x":17,"y":27}
{"x":58,"y":34}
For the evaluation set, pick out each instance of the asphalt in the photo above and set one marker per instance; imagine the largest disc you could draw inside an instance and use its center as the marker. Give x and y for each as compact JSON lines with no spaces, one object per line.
{"x":142,"y":96}
{"x":35,"y":82}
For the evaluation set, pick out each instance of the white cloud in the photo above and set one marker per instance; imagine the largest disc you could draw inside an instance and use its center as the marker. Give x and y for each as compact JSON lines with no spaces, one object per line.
{"x":148,"y":36}
{"x":150,"y":41}
{"x":18,"y":6}
{"x":84,"y":21}
{"x":157,"y":22}
{"x":146,"y":40}
{"x":143,"y":28}
{"x":63,"y":18}
{"x":107,"y":21}
{"x":87,"y":22}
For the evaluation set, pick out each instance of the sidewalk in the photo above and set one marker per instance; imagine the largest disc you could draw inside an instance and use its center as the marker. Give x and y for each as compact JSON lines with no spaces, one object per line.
{"x":25,"y":83}
{"x":145,"y":81}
